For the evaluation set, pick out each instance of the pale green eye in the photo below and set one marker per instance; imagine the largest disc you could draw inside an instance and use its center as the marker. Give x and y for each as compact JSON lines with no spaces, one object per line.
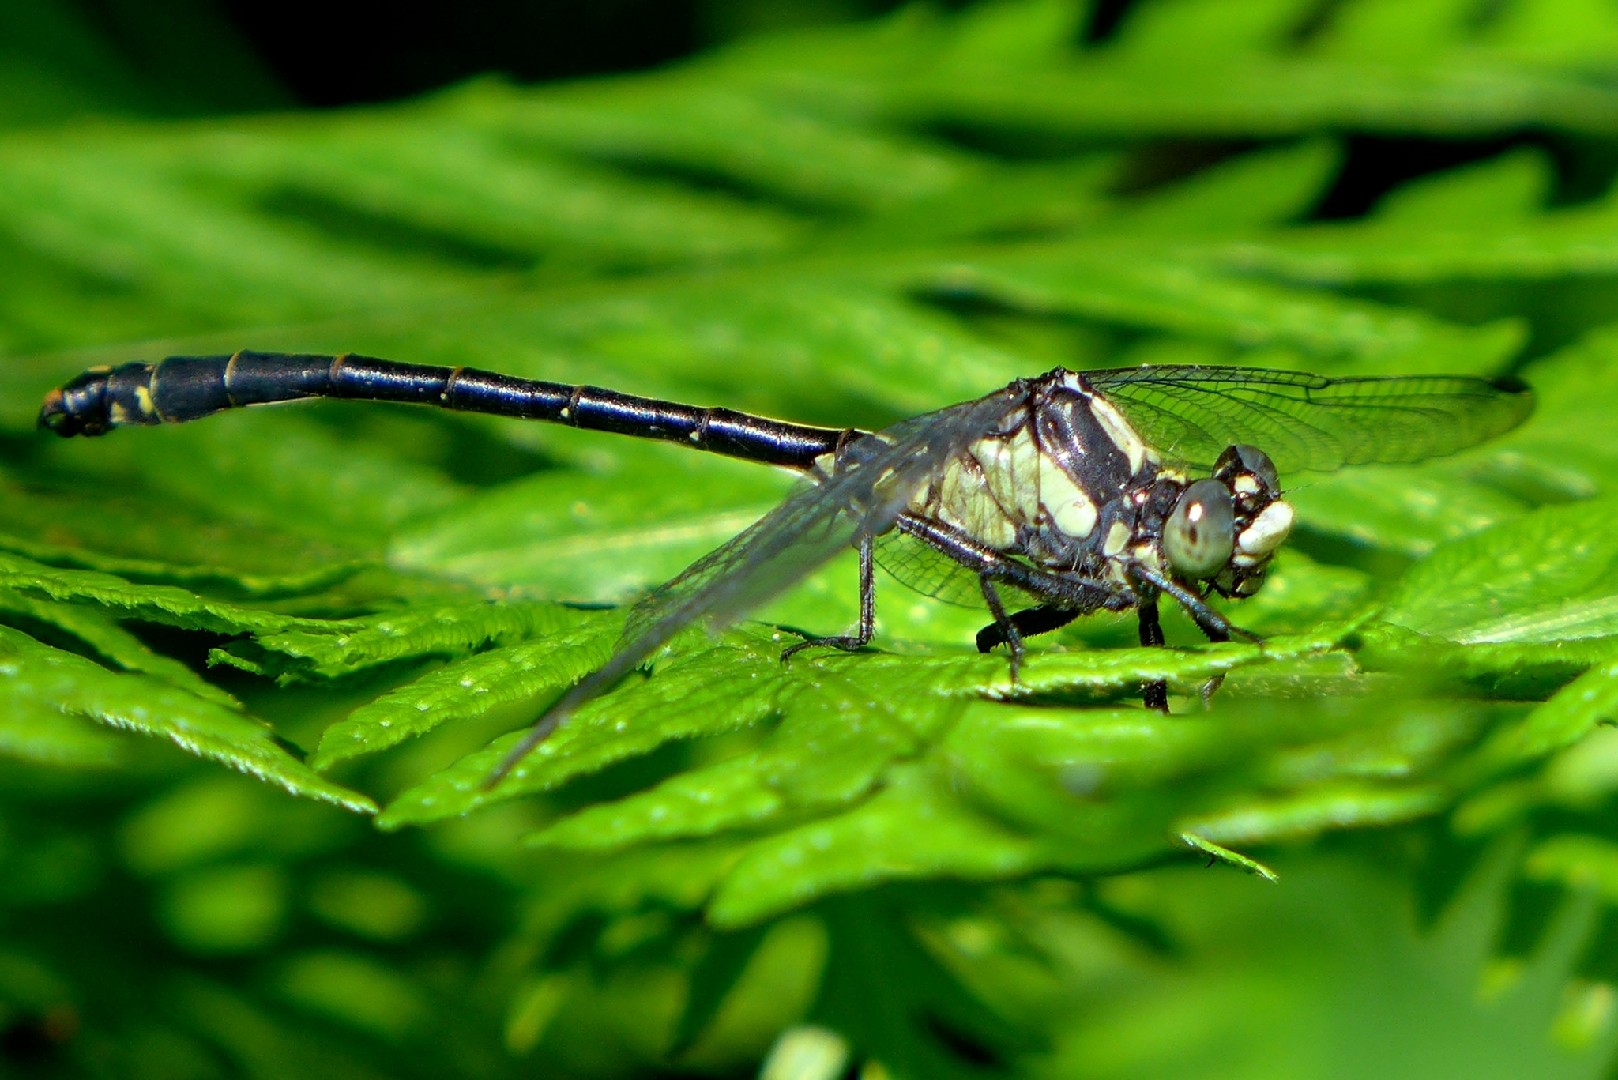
{"x":1201,"y":532}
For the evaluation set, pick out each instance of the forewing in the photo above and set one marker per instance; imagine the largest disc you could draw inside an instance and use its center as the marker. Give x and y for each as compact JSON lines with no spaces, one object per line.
{"x":1310,"y":422}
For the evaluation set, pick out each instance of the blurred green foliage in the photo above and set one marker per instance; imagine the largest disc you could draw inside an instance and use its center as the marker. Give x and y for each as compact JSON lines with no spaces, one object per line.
{"x":892,"y":862}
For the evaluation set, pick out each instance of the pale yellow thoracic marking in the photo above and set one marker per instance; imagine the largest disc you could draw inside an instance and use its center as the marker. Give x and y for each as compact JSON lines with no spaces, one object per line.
{"x":143,"y":398}
{"x":1071,"y":510}
{"x":1013,"y":484}
{"x":1118,"y":429}
{"x":960,"y":501}
{"x":1117,"y":539}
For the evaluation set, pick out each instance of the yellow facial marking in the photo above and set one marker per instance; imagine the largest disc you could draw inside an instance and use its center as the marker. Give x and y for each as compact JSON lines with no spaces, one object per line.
{"x":1267,"y":531}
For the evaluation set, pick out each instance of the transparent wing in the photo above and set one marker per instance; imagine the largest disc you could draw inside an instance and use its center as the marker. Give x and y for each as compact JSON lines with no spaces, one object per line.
{"x":932,"y":573}
{"x":1307,"y":421}
{"x":876,"y":477}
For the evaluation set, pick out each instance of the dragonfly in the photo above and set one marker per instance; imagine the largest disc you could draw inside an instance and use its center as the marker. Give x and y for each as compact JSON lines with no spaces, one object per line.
{"x":1048,"y":499}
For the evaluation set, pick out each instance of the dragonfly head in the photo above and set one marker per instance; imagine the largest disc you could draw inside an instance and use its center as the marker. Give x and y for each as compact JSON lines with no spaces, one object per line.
{"x":1225,"y":529}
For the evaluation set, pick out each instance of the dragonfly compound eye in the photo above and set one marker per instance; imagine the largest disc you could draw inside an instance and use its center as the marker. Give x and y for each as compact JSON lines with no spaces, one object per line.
{"x":1252,"y":459}
{"x":1200,"y":534}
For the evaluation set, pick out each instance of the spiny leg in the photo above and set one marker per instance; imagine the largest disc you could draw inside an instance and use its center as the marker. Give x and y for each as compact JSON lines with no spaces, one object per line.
{"x":867,"y":626}
{"x":1004,"y":625}
{"x":1156,"y":691}
{"x":1213,"y":625}
{"x":1070,"y":594}
{"x":1065,"y":590}
{"x":1214,"y":634}
{"x":1217,"y":633}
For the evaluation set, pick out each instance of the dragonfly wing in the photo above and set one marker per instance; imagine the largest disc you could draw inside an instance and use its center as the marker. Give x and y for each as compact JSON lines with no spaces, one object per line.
{"x":932,"y":573}
{"x":872,"y":482}
{"x":1310,"y":422}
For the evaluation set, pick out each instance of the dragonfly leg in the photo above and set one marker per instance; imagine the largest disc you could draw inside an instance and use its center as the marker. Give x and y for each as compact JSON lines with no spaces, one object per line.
{"x":1005,"y":626}
{"x":1028,"y":622}
{"x":1155,"y":692}
{"x":867,"y":626}
{"x":1069,"y":594}
{"x":1213,"y":625}
{"x":1064,"y":590}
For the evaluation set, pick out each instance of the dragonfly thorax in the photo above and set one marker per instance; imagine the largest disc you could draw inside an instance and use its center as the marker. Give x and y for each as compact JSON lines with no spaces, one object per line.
{"x":1051,"y":483}
{"x":1065,"y":482}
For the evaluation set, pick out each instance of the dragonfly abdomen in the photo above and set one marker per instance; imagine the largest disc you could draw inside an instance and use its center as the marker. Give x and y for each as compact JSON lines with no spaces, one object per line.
{"x":183,"y":388}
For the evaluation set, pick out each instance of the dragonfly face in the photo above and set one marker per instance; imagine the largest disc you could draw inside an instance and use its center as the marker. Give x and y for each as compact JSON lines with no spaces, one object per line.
{"x":1261,"y":518}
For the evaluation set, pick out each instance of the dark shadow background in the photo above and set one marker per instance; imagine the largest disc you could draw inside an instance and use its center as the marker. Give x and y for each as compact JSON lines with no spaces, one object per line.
{"x":228,"y":55}
{"x":205,"y":57}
